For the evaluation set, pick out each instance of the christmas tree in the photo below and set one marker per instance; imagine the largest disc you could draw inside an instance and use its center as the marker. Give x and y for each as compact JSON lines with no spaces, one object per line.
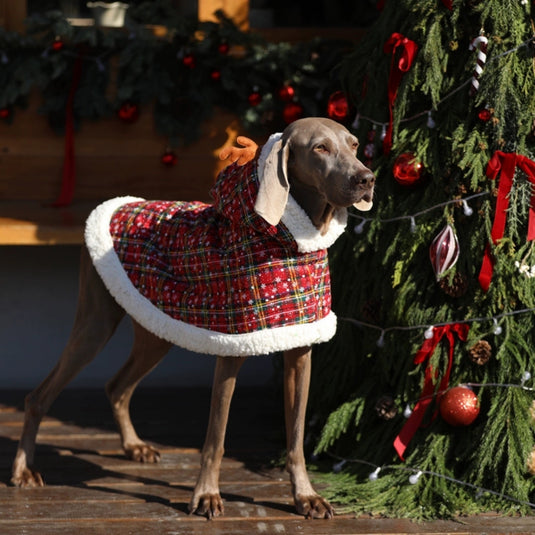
{"x":425,"y":396}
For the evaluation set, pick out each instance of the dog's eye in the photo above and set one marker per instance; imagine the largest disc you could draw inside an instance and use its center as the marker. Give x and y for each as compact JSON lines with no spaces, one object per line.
{"x":322,"y":148}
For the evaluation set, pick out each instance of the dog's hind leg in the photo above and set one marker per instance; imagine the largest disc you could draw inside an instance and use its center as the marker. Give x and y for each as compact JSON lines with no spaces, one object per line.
{"x":97,"y":317}
{"x":206,"y":499}
{"x":147,"y":352}
{"x":297,"y":367}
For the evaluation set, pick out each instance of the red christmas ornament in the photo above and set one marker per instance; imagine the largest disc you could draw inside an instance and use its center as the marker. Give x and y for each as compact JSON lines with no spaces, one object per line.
{"x":189,"y":61}
{"x":459,"y":406}
{"x":338,"y":106}
{"x":223,"y":48}
{"x":484,"y":115}
{"x":128,"y":112}
{"x":292,"y":111}
{"x":57,"y":45}
{"x":255,"y":98}
{"x":215,"y":75}
{"x":444,"y":251}
{"x":407,"y":170}
{"x":4,"y":113}
{"x":169,"y":158}
{"x":286,"y":93}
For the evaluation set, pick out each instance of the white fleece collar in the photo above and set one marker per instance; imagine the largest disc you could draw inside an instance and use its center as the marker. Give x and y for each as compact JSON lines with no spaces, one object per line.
{"x":304,"y":232}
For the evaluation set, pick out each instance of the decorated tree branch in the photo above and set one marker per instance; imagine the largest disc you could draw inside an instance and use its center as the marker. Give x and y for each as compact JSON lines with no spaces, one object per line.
{"x":428,"y":406}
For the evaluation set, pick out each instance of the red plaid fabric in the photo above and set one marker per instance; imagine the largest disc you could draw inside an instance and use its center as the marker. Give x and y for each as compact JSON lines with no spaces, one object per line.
{"x":221,"y":267}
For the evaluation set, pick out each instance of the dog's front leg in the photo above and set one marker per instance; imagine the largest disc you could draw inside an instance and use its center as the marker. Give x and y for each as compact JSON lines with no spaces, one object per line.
{"x":297,"y":368}
{"x":206,"y":499}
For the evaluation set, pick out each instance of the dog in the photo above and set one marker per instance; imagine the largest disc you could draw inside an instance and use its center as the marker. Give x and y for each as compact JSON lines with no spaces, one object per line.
{"x":294,"y":193}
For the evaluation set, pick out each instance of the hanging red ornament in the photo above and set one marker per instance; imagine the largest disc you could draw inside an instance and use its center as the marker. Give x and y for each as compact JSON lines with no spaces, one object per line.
{"x":459,"y":406}
{"x":444,"y":251}
{"x":189,"y":61}
{"x":58,"y":44}
{"x":128,"y":112}
{"x":223,"y":48}
{"x":215,"y":75}
{"x":169,"y":158}
{"x":4,"y":113}
{"x":407,"y":170}
{"x":338,"y":106}
{"x":484,"y":115}
{"x":292,"y":111}
{"x":286,"y":93}
{"x":254,"y":98}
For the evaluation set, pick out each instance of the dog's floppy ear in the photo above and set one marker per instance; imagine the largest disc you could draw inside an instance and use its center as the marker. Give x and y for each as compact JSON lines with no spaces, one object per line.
{"x":274,"y":186}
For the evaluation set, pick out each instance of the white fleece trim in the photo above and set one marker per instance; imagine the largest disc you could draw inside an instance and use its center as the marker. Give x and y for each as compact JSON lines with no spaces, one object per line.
{"x":100,"y":245}
{"x":306,"y":235}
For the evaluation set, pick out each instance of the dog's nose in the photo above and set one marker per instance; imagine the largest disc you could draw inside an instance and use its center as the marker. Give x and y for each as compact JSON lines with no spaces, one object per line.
{"x":363,"y":180}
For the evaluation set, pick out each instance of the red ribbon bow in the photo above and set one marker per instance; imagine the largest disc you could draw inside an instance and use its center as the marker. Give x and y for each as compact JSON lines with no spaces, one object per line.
{"x":404,"y":50}
{"x":506,"y":163}
{"x":426,"y":397}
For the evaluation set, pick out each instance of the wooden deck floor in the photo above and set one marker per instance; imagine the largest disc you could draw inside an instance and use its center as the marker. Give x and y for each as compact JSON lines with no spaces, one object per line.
{"x":92,"y":489}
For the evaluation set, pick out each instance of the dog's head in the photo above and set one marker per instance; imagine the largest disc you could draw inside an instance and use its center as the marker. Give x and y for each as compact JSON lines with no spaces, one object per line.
{"x":315,"y":159}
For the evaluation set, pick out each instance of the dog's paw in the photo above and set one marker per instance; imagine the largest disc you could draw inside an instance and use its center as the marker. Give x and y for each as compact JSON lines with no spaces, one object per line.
{"x":208,"y":505}
{"x":314,"y":506}
{"x":142,"y":453}
{"x":27,"y":478}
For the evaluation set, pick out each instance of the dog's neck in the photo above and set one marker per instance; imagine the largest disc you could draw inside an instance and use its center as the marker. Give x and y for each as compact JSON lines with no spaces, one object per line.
{"x":315,"y":206}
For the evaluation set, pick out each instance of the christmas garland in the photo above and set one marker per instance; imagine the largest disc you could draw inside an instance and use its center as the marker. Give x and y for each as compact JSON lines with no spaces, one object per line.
{"x":183,"y":71}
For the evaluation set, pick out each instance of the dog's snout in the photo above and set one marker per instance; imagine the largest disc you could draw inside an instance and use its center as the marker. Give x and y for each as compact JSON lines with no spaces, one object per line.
{"x":363,"y":180}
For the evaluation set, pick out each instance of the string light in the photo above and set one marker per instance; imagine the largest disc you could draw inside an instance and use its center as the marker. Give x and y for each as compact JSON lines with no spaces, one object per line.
{"x":496,"y":330}
{"x":412,"y":217}
{"x":416,"y":475}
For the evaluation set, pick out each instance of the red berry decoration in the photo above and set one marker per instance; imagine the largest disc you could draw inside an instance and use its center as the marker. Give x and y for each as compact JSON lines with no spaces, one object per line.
{"x":57,"y":45}
{"x":286,"y":93}
{"x":292,"y":111}
{"x":215,"y":75}
{"x":255,"y":98}
{"x":169,"y":158}
{"x":223,"y":48}
{"x":128,"y":112}
{"x":338,"y":106}
{"x":459,"y":406}
{"x":189,"y":61}
{"x":407,"y":170}
{"x":4,"y":113}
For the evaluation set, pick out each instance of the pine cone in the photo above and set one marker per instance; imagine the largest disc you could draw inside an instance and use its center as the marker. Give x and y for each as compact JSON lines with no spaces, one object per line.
{"x":480,"y":352}
{"x":386,"y":407}
{"x":455,"y":287}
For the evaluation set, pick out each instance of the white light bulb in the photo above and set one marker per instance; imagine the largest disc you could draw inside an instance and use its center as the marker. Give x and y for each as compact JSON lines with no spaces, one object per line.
{"x":374,"y":476}
{"x":415,"y":478}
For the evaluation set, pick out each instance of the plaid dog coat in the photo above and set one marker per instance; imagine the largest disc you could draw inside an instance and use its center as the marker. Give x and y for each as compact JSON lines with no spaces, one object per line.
{"x":217,"y":278}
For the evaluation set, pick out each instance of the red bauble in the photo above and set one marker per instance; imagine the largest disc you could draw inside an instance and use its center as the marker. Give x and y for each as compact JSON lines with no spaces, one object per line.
{"x":407,"y":170}
{"x":255,"y":98}
{"x":4,"y":113}
{"x":215,"y":75}
{"x":484,"y":115}
{"x":291,"y":112}
{"x":189,"y":61}
{"x":338,"y":106}
{"x":223,"y":48}
{"x":459,"y":406}
{"x":286,"y":93}
{"x":128,"y":112}
{"x":444,"y":251}
{"x":169,"y":158}
{"x":57,"y":45}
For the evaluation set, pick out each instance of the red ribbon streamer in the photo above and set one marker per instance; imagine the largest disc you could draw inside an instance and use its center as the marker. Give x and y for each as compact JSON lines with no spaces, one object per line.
{"x":68,"y":178}
{"x":426,"y":397}
{"x":403,"y":52}
{"x":506,"y":163}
